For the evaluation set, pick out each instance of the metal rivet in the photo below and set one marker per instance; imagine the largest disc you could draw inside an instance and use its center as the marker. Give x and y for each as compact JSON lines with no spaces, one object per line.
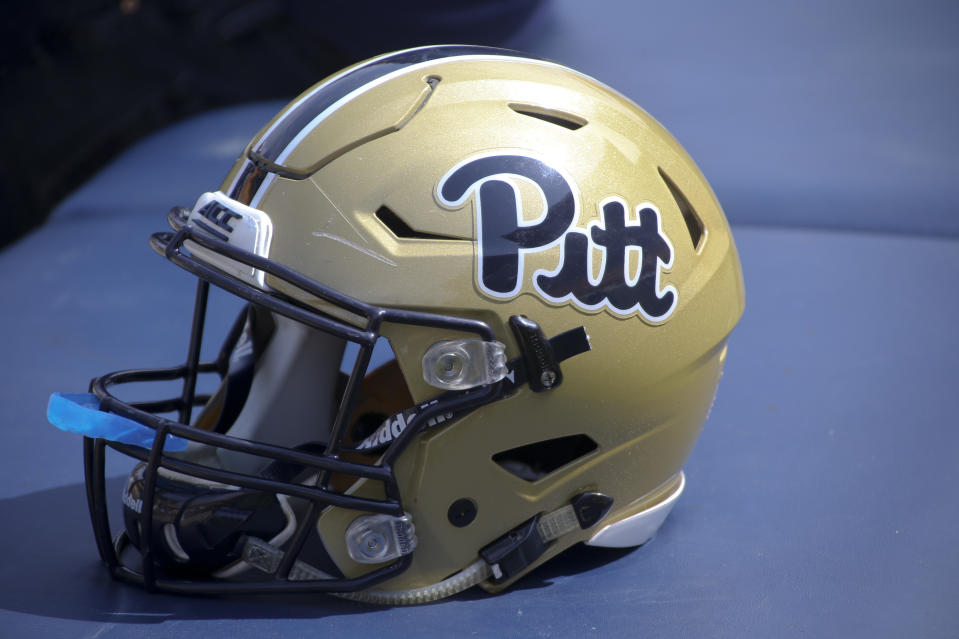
{"x":548,"y":378}
{"x":449,"y":366}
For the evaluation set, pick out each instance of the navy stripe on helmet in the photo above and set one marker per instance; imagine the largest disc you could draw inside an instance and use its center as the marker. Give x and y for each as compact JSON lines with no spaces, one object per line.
{"x":247,"y":183}
{"x":285,"y":130}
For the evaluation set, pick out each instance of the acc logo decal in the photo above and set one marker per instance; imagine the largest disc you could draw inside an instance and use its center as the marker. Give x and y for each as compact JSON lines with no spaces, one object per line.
{"x":231,"y":221}
{"x":216,"y":219}
{"x":505,"y":236}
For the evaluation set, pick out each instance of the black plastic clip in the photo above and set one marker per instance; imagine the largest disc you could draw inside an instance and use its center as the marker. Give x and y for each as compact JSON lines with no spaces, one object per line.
{"x":513,"y":552}
{"x":590,"y":508}
{"x":542,"y":365}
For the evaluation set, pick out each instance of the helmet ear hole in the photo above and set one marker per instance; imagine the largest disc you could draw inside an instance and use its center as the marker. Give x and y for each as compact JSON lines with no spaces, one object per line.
{"x":534,"y":461}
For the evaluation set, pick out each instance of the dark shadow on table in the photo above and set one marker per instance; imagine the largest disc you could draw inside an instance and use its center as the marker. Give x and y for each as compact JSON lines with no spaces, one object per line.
{"x":52,"y":569}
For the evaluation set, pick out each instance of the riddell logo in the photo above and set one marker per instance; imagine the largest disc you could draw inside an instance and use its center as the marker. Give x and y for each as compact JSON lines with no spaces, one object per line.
{"x":133,"y":503}
{"x":506,"y":234}
{"x":394,"y":426}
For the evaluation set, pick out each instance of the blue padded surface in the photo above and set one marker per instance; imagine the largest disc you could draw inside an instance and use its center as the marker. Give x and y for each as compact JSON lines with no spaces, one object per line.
{"x":805,"y":113}
{"x":823,"y":496}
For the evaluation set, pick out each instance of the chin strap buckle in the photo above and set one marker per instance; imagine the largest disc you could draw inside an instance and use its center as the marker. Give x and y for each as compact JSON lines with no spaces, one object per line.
{"x":539,"y":364}
{"x":512,"y":553}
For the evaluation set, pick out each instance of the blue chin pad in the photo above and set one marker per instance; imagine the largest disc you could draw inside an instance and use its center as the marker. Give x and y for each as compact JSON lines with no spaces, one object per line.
{"x":80,"y":413}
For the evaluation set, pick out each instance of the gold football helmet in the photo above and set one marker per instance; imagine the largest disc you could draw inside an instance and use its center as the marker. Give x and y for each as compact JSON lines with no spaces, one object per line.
{"x":488,"y":306}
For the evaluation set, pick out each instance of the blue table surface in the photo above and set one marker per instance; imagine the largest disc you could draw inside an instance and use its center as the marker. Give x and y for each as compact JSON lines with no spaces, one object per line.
{"x":822,"y":497}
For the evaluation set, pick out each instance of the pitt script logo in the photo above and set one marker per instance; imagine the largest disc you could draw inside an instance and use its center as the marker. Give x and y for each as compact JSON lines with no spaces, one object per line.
{"x":505,"y":236}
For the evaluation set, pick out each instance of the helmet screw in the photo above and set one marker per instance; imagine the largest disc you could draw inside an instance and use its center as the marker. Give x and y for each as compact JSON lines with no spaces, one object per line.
{"x":548,"y":378}
{"x":449,"y":366}
{"x":462,"y":512}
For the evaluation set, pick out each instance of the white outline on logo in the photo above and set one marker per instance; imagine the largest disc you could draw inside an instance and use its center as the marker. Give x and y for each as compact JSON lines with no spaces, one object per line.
{"x":511,"y":179}
{"x":631,"y":279}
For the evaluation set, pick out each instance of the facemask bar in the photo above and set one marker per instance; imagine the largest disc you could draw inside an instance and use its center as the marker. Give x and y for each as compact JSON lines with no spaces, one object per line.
{"x":317,"y":496}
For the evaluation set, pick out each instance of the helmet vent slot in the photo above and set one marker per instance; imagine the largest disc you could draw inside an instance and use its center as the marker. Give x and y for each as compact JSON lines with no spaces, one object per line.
{"x":553,"y":116}
{"x":697,"y":230}
{"x":534,"y":461}
{"x":402,"y":230}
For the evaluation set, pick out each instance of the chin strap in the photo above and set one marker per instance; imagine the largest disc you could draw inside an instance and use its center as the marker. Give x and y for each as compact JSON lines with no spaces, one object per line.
{"x":265,"y":556}
{"x":505,"y":557}
{"x":513,"y":553}
{"x":242,"y":565}
{"x":500,"y":561}
{"x":470,"y":576}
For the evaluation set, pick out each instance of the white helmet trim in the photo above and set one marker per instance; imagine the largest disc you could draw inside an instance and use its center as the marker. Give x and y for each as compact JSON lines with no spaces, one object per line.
{"x":639,"y":528}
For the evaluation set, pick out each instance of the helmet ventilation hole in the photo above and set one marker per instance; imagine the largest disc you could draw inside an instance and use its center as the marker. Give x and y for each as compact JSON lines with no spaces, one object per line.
{"x":534,"y":461}
{"x":697,"y":230}
{"x":402,"y":230}
{"x":553,"y":116}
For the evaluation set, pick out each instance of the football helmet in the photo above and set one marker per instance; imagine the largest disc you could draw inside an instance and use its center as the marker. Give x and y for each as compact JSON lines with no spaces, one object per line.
{"x":487,"y":308}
